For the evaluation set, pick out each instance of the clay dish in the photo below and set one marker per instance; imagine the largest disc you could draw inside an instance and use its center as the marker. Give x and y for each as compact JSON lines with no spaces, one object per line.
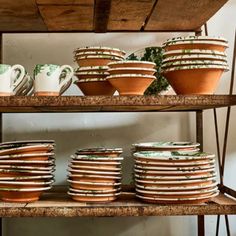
{"x":132,"y":70}
{"x":135,"y":64}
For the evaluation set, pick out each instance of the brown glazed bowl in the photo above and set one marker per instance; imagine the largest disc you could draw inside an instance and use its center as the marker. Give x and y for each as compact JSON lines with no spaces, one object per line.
{"x":96,"y":87}
{"x":131,"y":84}
{"x":194,"y":79}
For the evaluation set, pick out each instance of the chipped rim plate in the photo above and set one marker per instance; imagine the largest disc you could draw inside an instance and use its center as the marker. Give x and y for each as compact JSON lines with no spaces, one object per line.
{"x":173,"y":181}
{"x":95,"y":172}
{"x":168,"y":156}
{"x":175,"y":164}
{"x":176,"y":177}
{"x":214,"y":194}
{"x":170,"y":145}
{"x":150,"y":172}
{"x":176,"y":188}
{"x":190,"y":169}
{"x":98,"y":158}
{"x":95,"y":191}
{"x":94,"y":183}
{"x":93,"y":168}
{"x":177,"y":193}
{"x":94,"y":176}
{"x":25,"y":189}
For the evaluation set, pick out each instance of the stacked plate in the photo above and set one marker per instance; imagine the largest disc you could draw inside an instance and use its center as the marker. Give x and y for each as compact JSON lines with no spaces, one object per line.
{"x":92,"y":72}
{"x":194,"y":64}
{"x":183,"y":176}
{"x":95,"y":175}
{"x":131,"y":77}
{"x":26,"y":169}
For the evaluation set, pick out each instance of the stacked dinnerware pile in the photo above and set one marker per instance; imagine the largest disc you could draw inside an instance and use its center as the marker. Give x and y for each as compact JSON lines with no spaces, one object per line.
{"x":26,"y":169}
{"x":131,"y":77}
{"x":92,"y":71}
{"x":178,"y":174}
{"x":95,"y":175}
{"x":194,"y":64}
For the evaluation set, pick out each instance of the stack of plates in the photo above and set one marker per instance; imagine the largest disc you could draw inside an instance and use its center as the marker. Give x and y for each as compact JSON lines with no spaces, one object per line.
{"x":131,"y":77}
{"x":95,"y":175}
{"x":92,"y":72}
{"x":181,"y":176}
{"x":26,"y":169}
{"x":194,"y":64}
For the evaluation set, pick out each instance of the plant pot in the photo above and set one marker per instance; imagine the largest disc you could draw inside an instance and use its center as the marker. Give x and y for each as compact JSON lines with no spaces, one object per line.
{"x":96,"y":88}
{"x":194,"y":79}
{"x":131,"y":84}
{"x":133,"y":64}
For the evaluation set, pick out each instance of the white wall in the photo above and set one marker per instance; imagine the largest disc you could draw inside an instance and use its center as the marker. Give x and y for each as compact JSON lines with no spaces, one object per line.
{"x":110,"y":129}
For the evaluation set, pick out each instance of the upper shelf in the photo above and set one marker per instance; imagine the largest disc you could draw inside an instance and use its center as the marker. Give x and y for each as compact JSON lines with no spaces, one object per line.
{"x":115,"y":103}
{"x":106,"y":15}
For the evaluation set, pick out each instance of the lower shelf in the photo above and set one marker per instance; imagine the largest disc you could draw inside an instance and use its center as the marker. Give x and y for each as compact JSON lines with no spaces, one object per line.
{"x":56,"y":203}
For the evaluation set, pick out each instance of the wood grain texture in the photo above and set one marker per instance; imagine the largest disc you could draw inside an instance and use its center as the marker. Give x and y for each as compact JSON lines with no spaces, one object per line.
{"x":60,"y":2}
{"x":114,"y":103}
{"x":129,"y":15}
{"x":68,"y":17}
{"x":19,"y":16}
{"x":58,"y":204}
{"x":182,"y":14}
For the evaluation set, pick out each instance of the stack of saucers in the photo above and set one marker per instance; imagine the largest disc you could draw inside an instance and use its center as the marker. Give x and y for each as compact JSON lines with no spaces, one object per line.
{"x":92,"y":71}
{"x":95,"y":175}
{"x":180,"y":176}
{"x":131,"y":77}
{"x":26,"y":169}
{"x":194,"y":64}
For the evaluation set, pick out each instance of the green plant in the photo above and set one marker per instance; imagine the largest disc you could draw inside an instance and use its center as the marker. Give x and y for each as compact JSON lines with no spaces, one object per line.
{"x":153,"y":54}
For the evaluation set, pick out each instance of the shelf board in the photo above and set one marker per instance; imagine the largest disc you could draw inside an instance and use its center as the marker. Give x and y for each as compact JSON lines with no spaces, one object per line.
{"x":168,"y":103}
{"x":106,"y":15}
{"x":57,"y":203}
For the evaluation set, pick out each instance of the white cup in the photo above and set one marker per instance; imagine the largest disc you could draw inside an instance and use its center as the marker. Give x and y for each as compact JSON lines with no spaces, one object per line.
{"x":10,"y":78}
{"x":49,"y":80}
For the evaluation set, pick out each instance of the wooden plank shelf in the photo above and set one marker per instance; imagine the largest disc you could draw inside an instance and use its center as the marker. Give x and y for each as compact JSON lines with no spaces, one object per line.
{"x":106,"y":15}
{"x":57,"y":203}
{"x":168,"y":103}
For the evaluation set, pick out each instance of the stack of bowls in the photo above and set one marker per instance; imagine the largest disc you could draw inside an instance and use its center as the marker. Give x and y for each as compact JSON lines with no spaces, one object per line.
{"x":26,"y":169}
{"x":95,"y":175}
{"x":179,"y":177}
{"x":194,"y":64}
{"x":92,"y":71}
{"x":131,"y":77}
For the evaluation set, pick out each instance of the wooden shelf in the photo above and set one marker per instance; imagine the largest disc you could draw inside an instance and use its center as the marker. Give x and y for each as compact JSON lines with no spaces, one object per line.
{"x":114,"y":103}
{"x":56,"y":203}
{"x":106,"y":15}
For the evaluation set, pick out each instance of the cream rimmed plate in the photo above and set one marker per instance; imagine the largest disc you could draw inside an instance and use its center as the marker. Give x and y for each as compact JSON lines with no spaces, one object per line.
{"x":25,"y":189}
{"x":194,"y":56}
{"x":98,"y":57}
{"x":48,"y":154}
{"x":197,"y":38}
{"x":91,"y":80}
{"x":214,"y":189}
{"x":94,"y":176}
{"x":131,"y":76}
{"x":176,"y":177}
{"x":26,"y":142}
{"x":195,"y":62}
{"x":91,"y":68}
{"x":164,"y":145}
{"x":194,"y":67}
{"x":95,"y":191}
{"x":180,"y":172}
{"x":99,"y":48}
{"x":131,"y":62}
{"x":224,"y":44}
{"x":94,"y":183}
{"x":26,"y":182}
{"x":172,"y":169}
{"x":99,"y":168}
{"x":20,"y":178}
{"x":94,"y":53}
{"x":50,"y":162}
{"x":99,"y":150}
{"x":211,"y":195}
{"x":95,"y":172}
{"x":175,"y":164}
{"x":194,"y":51}
{"x":14,"y":167}
{"x":91,"y":73}
{"x":177,"y":188}
{"x":136,"y":69}
{"x":94,"y":195}
{"x":26,"y":171}
{"x":96,"y":158}
{"x":95,"y":162}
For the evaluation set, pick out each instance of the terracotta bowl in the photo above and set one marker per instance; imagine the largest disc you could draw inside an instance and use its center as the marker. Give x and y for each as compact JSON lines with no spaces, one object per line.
{"x":205,"y":45}
{"x":95,"y":60}
{"x":135,"y":64}
{"x":93,"y":197}
{"x":95,"y":88}
{"x":91,"y":75}
{"x":99,"y":53}
{"x":24,"y":185}
{"x":15,"y":195}
{"x":97,"y":69}
{"x":132,"y":70}
{"x":131,"y":84}
{"x":194,"y":79}
{"x":101,"y":50}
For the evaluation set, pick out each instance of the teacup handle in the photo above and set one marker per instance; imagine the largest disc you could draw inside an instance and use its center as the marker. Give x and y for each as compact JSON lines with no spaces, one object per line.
{"x":69,"y":75}
{"x":21,"y":76}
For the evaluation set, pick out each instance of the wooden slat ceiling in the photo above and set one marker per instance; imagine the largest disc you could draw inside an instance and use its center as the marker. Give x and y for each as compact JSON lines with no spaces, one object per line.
{"x":105,"y":15}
